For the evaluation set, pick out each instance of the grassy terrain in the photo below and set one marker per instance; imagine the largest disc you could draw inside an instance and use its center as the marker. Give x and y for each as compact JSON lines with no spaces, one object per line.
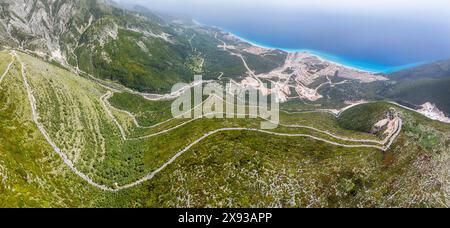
{"x":335,"y":97}
{"x":149,"y":63}
{"x":265,"y":64}
{"x":72,"y":112}
{"x":141,"y":50}
{"x":228,"y":169}
{"x":125,"y":48}
{"x":217,"y":60}
{"x":31,"y":174}
{"x":412,"y":87}
{"x":251,"y":170}
{"x":147,"y":112}
{"x":423,"y":90}
{"x":363,"y":118}
{"x":134,"y":60}
{"x":437,"y":69}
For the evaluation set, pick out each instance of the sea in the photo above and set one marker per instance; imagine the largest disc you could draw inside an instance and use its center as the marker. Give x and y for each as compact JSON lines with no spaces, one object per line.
{"x":381,"y":44}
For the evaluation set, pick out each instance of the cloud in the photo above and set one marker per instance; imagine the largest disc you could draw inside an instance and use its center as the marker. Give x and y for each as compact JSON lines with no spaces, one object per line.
{"x":325,"y":5}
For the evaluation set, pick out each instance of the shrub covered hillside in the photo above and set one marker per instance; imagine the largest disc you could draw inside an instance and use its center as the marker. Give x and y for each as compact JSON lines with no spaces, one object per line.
{"x":141,"y":50}
{"x":309,"y":161}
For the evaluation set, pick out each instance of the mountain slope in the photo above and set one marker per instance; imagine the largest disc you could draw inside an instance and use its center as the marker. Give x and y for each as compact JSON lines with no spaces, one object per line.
{"x":31,"y":174}
{"x":68,"y":141}
{"x":228,"y":169}
{"x":140,"y":50}
{"x":431,"y":70}
{"x":419,"y":91}
{"x":427,"y":83}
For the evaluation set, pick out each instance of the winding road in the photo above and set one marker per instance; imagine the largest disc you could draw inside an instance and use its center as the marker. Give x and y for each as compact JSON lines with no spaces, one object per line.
{"x":107,"y":105}
{"x":35,"y":116}
{"x":69,"y":163}
{"x":7,"y":69}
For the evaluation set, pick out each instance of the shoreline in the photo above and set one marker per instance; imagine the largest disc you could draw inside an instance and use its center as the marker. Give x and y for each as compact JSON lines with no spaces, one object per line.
{"x":332,"y":58}
{"x":353,"y":64}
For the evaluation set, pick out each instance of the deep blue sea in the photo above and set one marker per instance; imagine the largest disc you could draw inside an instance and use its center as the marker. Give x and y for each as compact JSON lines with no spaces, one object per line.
{"x":378,"y":44}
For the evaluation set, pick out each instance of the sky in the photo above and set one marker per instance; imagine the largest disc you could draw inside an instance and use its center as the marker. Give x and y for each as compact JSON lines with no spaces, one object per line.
{"x":196,"y":7}
{"x":388,"y":33}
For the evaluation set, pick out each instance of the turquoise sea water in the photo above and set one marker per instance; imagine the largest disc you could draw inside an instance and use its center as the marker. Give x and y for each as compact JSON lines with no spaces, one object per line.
{"x":375,"y":43}
{"x":353,"y":63}
{"x":378,"y":36}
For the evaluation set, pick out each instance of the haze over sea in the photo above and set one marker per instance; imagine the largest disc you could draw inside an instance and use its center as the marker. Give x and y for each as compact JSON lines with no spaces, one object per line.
{"x":380,"y":36}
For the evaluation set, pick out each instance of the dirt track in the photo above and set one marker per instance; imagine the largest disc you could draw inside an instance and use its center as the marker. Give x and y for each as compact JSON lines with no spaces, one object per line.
{"x":69,"y":163}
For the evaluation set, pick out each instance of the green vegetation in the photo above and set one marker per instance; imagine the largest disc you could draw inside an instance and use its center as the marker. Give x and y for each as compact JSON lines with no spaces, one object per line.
{"x":147,"y":112}
{"x":195,"y":64}
{"x":31,"y":174}
{"x":133,"y":59}
{"x":242,"y":169}
{"x":412,"y":91}
{"x":431,"y":70}
{"x":141,"y":50}
{"x":251,"y":170}
{"x":238,"y":168}
{"x":363,"y":117}
{"x":423,"y":90}
{"x":228,"y":169}
{"x":154,"y":60}
{"x":217,"y":60}
{"x":265,"y":63}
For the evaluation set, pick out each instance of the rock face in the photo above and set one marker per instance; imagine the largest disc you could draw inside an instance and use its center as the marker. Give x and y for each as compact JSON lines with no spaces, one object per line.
{"x":41,"y":25}
{"x":97,"y":37}
{"x":55,"y":27}
{"x":388,"y":126}
{"x":431,"y":111}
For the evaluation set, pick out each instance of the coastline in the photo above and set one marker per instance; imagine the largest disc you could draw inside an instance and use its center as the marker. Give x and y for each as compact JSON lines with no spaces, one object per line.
{"x":354,"y":64}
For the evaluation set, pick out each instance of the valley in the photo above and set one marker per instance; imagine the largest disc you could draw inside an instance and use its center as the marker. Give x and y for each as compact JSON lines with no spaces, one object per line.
{"x":85,"y":119}
{"x":36,"y":117}
{"x":121,"y":121}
